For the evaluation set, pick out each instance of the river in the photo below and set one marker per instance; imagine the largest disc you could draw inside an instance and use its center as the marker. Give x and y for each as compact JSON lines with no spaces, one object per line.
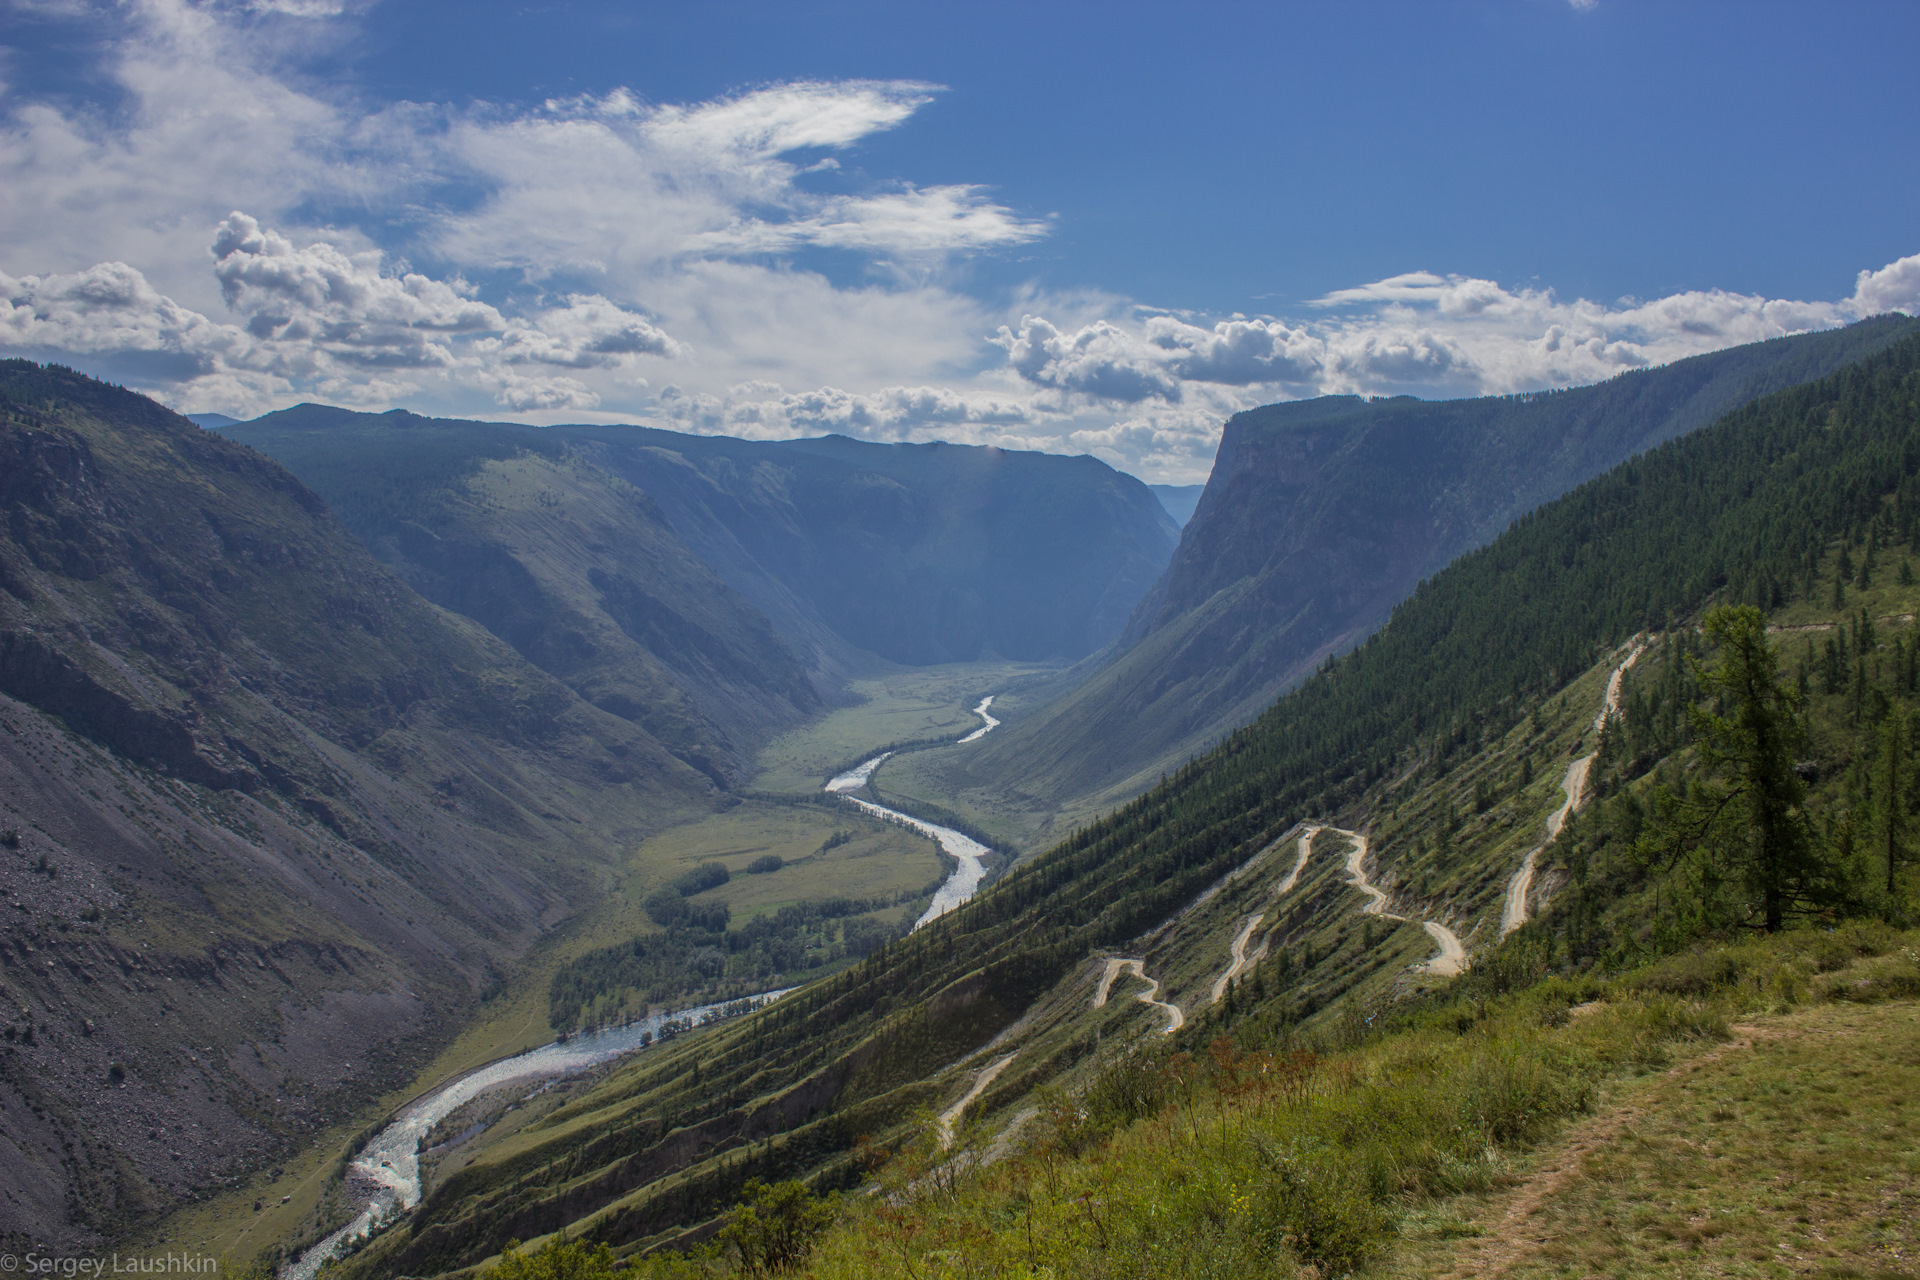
{"x":968,"y":853}
{"x":388,"y":1167}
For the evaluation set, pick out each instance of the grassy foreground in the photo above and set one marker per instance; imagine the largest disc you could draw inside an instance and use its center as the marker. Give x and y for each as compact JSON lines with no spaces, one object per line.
{"x":1451,"y":1142}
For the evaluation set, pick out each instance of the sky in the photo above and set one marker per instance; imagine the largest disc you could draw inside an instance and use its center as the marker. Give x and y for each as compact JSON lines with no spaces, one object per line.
{"x":1084,"y":229}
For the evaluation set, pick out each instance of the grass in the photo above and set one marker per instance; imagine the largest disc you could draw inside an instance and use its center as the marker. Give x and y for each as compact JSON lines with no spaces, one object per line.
{"x":1797,"y":1153}
{"x":880,"y":859}
{"x":904,"y":705}
{"x":1391,"y":1157}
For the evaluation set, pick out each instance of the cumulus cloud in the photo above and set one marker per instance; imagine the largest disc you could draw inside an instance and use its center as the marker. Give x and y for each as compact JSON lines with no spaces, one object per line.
{"x":318,"y":318}
{"x":1421,"y":333}
{"x":564,"y":258}
{"x":763,"y":410}
{"x":1895,"y":287}
{"x":588,"y":333}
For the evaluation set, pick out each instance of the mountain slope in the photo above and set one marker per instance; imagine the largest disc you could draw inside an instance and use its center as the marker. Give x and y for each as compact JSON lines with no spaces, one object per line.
{"x":1319,"y":517}
{"x":1179,"y":500}
{"x":272,"y":824}
{"x":917,"y":553}
{"x":574,"y":567}
{"x":1427,"y":742}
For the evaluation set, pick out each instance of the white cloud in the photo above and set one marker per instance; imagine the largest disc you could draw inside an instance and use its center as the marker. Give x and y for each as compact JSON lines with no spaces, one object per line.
{"x":1895,"y":287}
{"x":761,"y":410}
{"x":564,"y":259}
{"x":319,"y":319}
{"x":1425,"y":334}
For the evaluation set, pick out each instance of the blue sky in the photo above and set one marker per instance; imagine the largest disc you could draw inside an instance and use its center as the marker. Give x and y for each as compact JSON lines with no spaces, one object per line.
{"x":1079,"y":228}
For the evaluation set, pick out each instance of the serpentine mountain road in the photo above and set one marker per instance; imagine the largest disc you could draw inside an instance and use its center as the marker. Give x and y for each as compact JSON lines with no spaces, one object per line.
{"x":1452,"y":959}
{"x":1513,"y":912}
{"x":1175,"y":1018}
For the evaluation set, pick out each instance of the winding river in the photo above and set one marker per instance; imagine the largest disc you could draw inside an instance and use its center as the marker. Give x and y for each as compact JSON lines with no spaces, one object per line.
{"x":968,"y":853}
{"x":386,"y":1172}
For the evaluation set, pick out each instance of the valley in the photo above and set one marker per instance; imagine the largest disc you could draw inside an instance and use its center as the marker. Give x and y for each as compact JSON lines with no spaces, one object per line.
{"x":825,"y":851}
{"x":1491,"y":794}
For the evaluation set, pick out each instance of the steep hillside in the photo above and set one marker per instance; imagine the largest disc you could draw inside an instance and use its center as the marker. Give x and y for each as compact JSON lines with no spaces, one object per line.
{"x":917,"y":554}
{"x":1357,"y":843}
{"x":270,"y":824}
{"x":1179,"y":500}
{"x":1319,"y":517}
{"x":572,"y":566}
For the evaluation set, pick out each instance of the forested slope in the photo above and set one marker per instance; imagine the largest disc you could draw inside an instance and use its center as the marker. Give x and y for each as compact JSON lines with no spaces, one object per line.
{"x":1319,"y":517}
{"x":1748,"y":510}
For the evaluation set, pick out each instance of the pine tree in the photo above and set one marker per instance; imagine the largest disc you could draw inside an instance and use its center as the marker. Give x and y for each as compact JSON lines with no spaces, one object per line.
{"x":1892,"y":780}
{"x":1748,"y":817}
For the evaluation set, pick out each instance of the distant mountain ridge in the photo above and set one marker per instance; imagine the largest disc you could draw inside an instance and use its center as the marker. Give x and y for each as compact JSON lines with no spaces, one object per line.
{"x":1319,"y":517}
{"x":1179,"y":500}
{"x":574,"y":567}
{"x":913,"y":553}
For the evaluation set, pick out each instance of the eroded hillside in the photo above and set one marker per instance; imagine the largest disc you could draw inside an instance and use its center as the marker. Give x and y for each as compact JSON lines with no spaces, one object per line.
{"x":272,"y":823}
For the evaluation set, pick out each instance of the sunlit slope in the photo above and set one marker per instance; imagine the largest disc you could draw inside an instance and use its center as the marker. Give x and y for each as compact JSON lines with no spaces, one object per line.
{"x":272,"y":823}
{"x":1441,"y":741}
{"x":1319,"y":518}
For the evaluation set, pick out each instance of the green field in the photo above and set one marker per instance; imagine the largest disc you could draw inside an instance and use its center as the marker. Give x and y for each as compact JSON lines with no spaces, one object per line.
{"x":909,"y":704}
{"x":880,"y":859}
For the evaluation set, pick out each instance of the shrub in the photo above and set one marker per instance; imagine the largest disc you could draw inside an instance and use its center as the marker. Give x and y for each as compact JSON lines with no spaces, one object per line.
{"x":557,"y":1259}
{"x":765,"y":864}
{"x":665,"y":907}
{"x":773,"y":1230}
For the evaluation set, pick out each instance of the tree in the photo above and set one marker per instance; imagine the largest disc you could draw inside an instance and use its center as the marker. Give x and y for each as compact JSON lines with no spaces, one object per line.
{"x":1891,"y":778}
{"x":773,"y":1230}
{"x":1747,"y":818}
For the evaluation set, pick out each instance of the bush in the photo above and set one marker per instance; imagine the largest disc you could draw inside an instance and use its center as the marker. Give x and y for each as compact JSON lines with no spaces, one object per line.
{"x":774,"y":1229}
{"x":665,"y":907}
{"x":765,"y":864}
{"x":557,"y":1259}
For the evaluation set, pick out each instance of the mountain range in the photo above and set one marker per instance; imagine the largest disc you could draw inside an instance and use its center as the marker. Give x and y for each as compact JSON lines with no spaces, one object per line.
{"x":318,"y":724}
{"x":1320,"y":517}
{"x":1349,"y":853}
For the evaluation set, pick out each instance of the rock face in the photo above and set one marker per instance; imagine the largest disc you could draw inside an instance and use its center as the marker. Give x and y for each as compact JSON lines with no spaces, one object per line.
{"x":269,"y":823}
{"x":1320,"y":516}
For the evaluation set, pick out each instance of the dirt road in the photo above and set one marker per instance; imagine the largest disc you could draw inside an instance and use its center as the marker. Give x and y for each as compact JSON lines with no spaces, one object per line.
{"x":986,"y":1076}
{"x":1513,"y":911}
{"x":1175,"y":1018}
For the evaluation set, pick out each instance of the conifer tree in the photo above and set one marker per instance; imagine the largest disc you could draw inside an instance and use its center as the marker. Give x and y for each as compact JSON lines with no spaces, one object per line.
{"x":1748,"y":818}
